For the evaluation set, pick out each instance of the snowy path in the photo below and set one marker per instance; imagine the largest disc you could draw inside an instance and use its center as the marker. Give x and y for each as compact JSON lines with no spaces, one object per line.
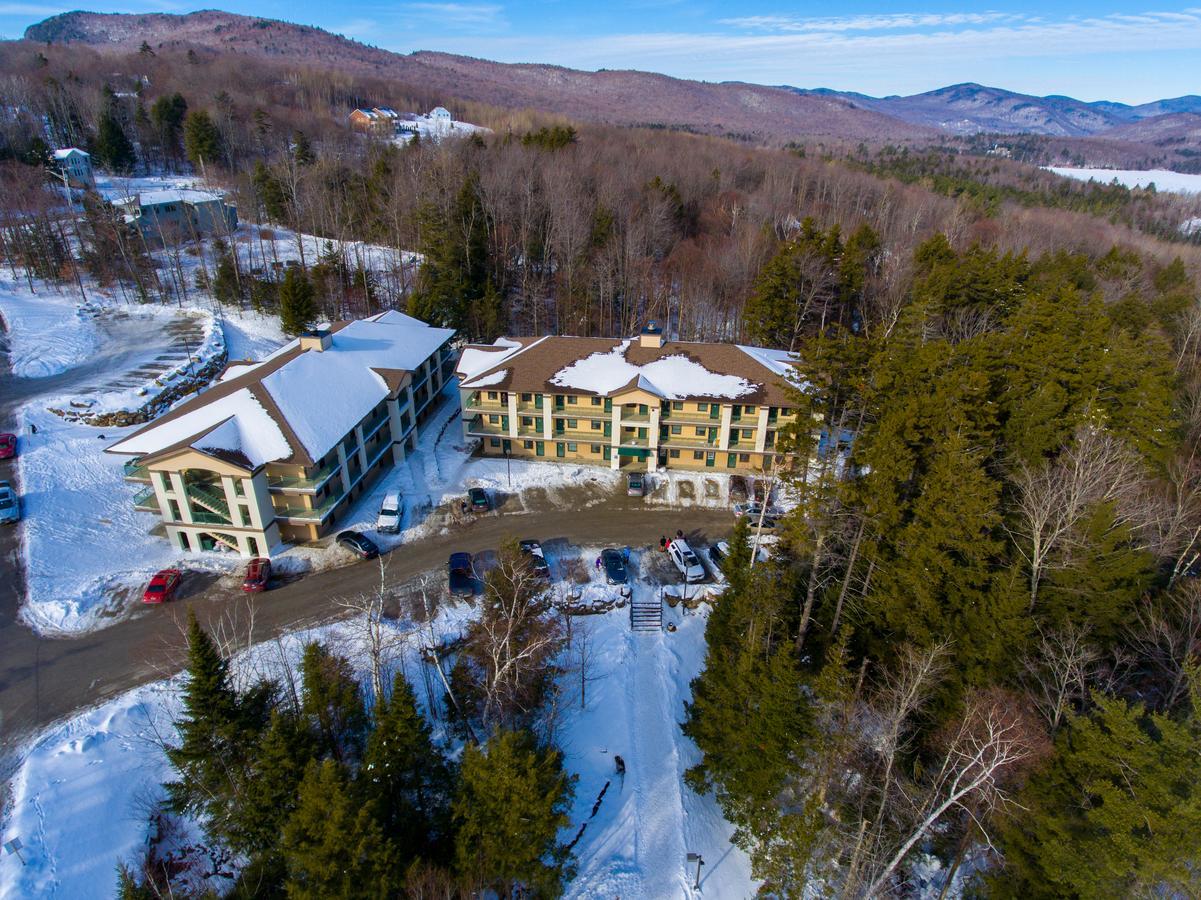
{"x":653,"y":771}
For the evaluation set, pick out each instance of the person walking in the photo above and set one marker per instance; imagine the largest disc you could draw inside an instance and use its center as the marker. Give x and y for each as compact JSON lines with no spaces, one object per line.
{"x":663,"y":543}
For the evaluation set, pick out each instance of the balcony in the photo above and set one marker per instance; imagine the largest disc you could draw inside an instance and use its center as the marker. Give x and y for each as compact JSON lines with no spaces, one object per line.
{"x":307,"y":514}
{"x":204,"y":517}
{"x":640,"y":418}
{"x":304,"y":484}
{"x":372,"y":426}
{"x":688,"y":440}
{"x":633,"y":441}
{"x":690,"y":417}
{"x":582,"y":412}
{"x":134,"y":472}
{"x":477,"y":425}
{"x":145,"y":501}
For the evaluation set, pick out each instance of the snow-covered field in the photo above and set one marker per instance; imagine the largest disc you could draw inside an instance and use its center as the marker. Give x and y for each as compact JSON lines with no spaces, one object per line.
{"x":49,"y":332}
{"x":86,"y":790}
{"x":1163,"y":179}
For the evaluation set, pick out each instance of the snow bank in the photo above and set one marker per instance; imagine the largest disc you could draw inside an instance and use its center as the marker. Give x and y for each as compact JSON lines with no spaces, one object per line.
{"x":48,"y":332}
{"x":1163,"y":179}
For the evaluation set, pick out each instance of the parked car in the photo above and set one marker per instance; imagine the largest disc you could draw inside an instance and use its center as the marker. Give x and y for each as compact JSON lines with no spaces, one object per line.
{"x":258,"y":576}
{"x":461,"y":577}
{"x":358,"y":544}
{"x":477,"y":499}
{"x":10,"y":504}
{"x":537,"y":559}
{"x":615,"y":566}
{"x":162,"y":586}
{"x":717,"y":556}
{"x":636,"y":484}
{"x":388,"y":520}
{"x":8,"y":446}
{"x":686,"y":561}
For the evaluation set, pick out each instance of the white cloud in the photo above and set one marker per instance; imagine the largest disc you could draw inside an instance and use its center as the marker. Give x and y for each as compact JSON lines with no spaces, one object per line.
{"x":864,"y":22}
{"x":469,"y":15}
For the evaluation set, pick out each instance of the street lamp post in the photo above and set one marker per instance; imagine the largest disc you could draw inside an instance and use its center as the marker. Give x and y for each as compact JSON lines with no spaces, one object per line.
{"x":700,"y":861}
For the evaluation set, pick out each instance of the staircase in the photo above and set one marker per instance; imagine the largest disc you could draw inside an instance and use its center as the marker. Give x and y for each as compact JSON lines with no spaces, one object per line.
{"x":646,"y":613}
{"x":209,"y":500}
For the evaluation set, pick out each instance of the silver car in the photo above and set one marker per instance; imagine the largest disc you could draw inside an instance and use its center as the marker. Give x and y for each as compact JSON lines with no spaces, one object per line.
{"x":10,"y":504}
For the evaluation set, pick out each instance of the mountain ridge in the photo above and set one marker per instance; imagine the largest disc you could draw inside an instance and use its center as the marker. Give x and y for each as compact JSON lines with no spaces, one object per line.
{"x":633,"y":97}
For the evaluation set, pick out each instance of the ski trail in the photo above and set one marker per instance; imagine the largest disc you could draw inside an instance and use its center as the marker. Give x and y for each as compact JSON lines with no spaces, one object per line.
{"x":653,"y":772}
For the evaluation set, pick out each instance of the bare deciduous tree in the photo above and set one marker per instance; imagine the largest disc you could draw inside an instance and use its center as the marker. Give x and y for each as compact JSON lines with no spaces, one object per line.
{"x":1058,"y":670}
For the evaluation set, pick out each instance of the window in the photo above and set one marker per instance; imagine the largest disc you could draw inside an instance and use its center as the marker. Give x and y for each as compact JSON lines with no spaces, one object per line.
{"x":493,"y":442}
{"x":676,"y":404}
{"x":492,"y":395}
{"x":748,"y":410}
{"x":677,"y":429}
{"x":573,"y":423}
{"x":747,"y":433}
{"x":504,"y":397}
{"x":493,"y":419}
{"x":526,"y":398}
{"x":596,"y":448}
{"x":744,"y":457}
{"x":572,"y":400}
{"x":700,"y":432}
{"x":673,"y":454}
{"x":173,"y":507}
{"x":702,"y":407}
{"x":527,"y":445}
{"x":527,"y":420}
{"x":239,"y":487}
{"x":571,"y":448}
{"x":596,"y":426}
{"x":596,"y":401}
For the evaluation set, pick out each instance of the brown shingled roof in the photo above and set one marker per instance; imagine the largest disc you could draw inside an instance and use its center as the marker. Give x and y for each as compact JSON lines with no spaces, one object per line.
{"x":532,"y":369}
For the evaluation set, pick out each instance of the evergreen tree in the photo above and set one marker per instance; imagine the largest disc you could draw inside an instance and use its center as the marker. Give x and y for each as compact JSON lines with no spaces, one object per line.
{"x":218,"y":732}
{"x":511,"y":802}
{"x":1112,"y":815}
{"x":302,"y":149}
{"x":129,"y":888}
{"x":269,"y":796}
{"x":226,"y":286}
{"x":112,"y":148}
{"x":270,"y":192}
{"x":797,"y":289}
{"x":332,"y":703}
{"x":296,"y":307}
{"x":201,"y":139}
{"x":404,"y":776}
{"x":332,"y":846}
{"x":167,"y":115}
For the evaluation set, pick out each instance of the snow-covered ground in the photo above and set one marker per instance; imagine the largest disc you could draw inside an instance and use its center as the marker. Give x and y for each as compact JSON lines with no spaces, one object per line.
{"x":431,"y":129}
{"x":49,"y":332}
{"x":1163,"y":179}
{"x":86,"y":790}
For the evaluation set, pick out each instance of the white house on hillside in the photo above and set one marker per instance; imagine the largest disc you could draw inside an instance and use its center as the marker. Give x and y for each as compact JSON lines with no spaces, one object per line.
{"x":75,"y":167}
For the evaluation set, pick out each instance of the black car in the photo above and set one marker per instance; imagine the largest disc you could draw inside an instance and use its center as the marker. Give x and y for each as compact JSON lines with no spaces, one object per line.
{"x":461,"y":580}
{"x":537,"y":560}
{"x":477,"y":499}
{"x":358,"y":544}
{"x":615,"y":566}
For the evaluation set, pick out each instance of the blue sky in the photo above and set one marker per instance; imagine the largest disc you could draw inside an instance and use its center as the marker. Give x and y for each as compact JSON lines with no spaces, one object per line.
{"x":1091,"y":51}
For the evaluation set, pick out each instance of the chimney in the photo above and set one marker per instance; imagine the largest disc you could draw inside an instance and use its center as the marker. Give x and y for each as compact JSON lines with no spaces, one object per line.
{"x":316,"y":339}
{"x":652,"y":336}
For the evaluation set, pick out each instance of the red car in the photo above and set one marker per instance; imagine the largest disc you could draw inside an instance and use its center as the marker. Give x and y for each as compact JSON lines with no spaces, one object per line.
{"x":8,"y":446}
{"x":258,"y":576}
{"x":162,"y":586}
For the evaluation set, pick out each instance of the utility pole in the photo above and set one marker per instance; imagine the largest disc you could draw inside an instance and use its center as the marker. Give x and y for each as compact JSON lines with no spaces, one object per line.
{"x":700,"y":861}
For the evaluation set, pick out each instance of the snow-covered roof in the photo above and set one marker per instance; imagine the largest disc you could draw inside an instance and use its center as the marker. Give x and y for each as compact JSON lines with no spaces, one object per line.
{"x":67,"y":151}
{"x":236,"y":423}
{"x":307,"y":397}
{"x":439,"y":112}
{"x":605,"y":367}
{"x":671,"y":377}
{"x":175,"y":195}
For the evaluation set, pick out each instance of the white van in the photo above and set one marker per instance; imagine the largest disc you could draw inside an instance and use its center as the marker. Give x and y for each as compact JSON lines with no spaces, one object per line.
{"x":690,"y":567}
{"x":390,"y":511}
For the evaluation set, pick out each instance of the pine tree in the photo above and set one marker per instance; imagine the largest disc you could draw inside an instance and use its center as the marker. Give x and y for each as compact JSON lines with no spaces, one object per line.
{"x":201,"y":139}
{"x":129,"y":888}
{"x":269,"y":795}
{"x":302,"y":149}
{"x":332,"y":846}
{"x":112,"y":148}
{"x":511,"y":802}
{"x":218,"y":733}
{"x":296,"y":307}
{"x":332,"y":703}
{"x":226,"y":287}
{"x":404,"y":776}
{"x":1114,"y":813}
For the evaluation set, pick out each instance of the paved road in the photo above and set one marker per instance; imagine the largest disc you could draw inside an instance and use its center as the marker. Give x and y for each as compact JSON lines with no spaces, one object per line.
{"x":43,"y":679}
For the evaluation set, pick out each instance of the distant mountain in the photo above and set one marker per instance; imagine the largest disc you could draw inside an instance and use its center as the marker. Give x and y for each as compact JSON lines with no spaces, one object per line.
{"x":974,"y":108}
{"x":1174,"y":128}
{"x":618,"y":97}
{"x":641,"y":98}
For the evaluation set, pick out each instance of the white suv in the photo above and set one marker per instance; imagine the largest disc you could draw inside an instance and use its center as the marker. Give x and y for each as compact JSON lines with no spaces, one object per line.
{"x":690,"y":567}
{"x":388,"y":521}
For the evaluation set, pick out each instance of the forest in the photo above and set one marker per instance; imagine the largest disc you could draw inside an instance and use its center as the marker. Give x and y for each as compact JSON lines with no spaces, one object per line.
{"x":980,"y":641}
